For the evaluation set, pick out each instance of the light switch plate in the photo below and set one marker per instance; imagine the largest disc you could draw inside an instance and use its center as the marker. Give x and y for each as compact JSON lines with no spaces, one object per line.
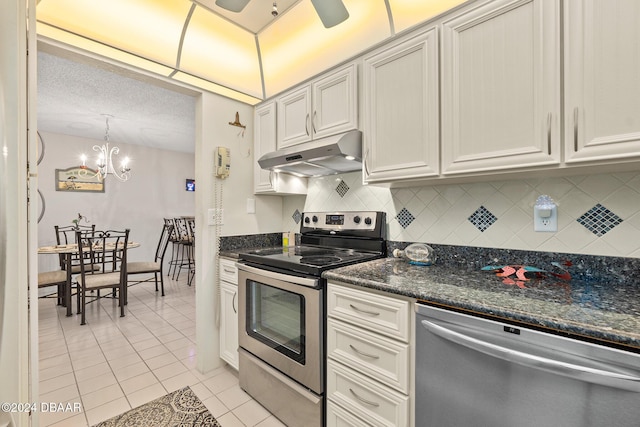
{"x":251,"y":206}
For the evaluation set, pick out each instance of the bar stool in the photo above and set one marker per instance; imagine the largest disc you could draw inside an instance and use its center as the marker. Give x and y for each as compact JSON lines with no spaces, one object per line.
{"x":184,"y":258}
{"x":191,"y":226}
{"x":175,"y":244}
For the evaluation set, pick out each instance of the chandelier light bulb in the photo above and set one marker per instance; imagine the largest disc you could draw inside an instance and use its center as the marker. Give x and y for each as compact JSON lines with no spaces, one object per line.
{"x":104,"y":162}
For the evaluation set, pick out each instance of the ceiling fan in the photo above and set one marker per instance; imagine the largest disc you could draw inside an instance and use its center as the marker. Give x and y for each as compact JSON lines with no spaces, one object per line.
{"x":331,"y":12}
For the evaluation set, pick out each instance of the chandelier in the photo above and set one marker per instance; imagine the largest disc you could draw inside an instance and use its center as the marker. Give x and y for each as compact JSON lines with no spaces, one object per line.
{"x":104,"y":163}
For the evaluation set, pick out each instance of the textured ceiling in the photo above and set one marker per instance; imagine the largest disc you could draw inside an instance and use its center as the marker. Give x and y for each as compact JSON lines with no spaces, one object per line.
{"x":74,"y":96}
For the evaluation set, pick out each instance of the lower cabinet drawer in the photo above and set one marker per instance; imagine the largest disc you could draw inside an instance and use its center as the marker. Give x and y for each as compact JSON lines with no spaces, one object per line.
{"x":338,"y":417}
{"x":383,"y":315}
{"x":376,"y":404}
{"x":381,"y":358}
{"x":228,"y":270}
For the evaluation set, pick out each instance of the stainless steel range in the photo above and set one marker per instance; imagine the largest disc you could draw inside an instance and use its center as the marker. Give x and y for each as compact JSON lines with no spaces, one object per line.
{"x":282,"y":311}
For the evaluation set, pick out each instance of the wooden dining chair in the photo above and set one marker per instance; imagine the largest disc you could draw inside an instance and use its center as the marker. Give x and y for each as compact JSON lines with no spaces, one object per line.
{"x":98,"y":249}
{"x":155,"y":266}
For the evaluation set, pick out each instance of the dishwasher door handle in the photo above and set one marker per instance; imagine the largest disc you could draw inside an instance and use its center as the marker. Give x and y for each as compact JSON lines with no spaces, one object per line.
{"x":582,"y":373}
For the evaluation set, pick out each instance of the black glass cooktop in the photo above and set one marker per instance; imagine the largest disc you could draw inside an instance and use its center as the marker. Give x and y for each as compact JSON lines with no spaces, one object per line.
{"x":307,"y":259}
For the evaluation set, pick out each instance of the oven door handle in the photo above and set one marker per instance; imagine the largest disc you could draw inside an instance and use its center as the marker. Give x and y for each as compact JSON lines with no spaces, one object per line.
{"x":304,"y":281}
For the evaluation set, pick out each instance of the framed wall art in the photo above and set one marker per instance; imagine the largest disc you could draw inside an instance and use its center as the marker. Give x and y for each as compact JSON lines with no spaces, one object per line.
{"x":78,"y":178}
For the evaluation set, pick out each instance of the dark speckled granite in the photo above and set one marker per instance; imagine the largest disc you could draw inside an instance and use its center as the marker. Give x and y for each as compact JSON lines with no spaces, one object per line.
{"x":231,"y":246}
{"x":600,"y":302}
{"x":588,"y":267}
{"x":595,"y":309}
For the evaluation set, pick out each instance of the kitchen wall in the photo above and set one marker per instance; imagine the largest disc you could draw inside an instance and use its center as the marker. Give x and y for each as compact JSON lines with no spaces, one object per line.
{"x":156,"y":190}
{"x":597,"y":214}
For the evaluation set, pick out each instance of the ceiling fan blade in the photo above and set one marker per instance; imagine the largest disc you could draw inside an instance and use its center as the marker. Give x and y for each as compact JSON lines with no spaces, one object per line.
{"x":331,"y":12}
{"x":232,"y":5}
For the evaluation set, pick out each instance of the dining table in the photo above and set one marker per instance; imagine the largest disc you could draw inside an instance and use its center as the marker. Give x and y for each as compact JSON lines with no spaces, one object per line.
{"x":68,"y":251}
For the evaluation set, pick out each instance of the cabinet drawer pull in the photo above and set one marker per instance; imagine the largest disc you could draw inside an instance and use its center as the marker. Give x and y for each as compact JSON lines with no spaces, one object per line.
{"x":359,"y":310}
{"x":575,"y":129}
{"x":306,"y":124}
{"x":364,"y":163}
{"x":228,"y":270}
{"x":233,"y":302}
{"x":313,"y":122}
{"x":361,"y":353}
{"x":549,"y":134}
{"x":368,"y":402}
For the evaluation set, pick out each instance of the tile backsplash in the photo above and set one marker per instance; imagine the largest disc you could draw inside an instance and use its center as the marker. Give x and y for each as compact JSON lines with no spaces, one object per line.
{"x":597,"y":214}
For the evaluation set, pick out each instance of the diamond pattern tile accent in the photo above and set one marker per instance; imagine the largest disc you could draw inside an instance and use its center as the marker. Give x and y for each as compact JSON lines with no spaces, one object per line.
{"x":482,"y":218}
{"x":342,"y":188}
{"x":405,"y":217}
{"x":297,"y":216}
{"x":599,"y":220}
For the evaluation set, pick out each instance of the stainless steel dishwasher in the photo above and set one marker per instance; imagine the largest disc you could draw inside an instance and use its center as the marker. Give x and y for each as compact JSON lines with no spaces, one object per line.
{"x":476,"y":372}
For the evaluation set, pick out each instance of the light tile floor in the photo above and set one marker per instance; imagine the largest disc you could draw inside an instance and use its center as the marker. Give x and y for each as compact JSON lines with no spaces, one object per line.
{"x":113,"y":364}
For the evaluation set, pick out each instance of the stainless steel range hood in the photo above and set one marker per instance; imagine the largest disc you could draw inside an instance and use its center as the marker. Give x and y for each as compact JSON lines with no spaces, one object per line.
{"x":327,"y":156}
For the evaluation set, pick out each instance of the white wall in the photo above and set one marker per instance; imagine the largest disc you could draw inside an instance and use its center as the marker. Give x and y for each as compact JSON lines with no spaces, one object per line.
{"x":156,"y":190}
{"x":212,"y":117}
{"x":14,"y":385}
{"x":442,"y":212}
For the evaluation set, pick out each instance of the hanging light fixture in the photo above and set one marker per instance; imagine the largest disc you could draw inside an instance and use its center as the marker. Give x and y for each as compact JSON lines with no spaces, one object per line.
{"x":104,"y":163}
{"x":331,"y":12}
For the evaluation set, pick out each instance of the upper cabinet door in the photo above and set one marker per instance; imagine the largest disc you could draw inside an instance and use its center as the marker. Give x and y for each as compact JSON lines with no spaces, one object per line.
{"x":602,"y":80}
{"x":294,"y":117}
{"x":501,"y":87}
{"x":401,"y":110}
{"x":335,"y":106}
{"x":264,"y":142}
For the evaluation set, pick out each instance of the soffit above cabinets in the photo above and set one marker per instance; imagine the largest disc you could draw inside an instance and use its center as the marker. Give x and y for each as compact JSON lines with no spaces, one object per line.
{"x":246,"y":56}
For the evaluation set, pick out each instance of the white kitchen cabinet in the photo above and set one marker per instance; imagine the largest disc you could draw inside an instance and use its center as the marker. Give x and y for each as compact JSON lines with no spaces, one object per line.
{"x":501,"y":87}
{"x":265,"y":181}
{"x":326,"y":106}
{"x":229,"y":312}
{"x":401,"y":110}
{"x":602,"y":80}
{"x":369,"y":374}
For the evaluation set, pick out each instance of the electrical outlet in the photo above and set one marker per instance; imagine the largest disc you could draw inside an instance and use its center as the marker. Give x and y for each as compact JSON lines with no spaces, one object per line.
{"x":215,"y":216}
{"x":545,"y":219}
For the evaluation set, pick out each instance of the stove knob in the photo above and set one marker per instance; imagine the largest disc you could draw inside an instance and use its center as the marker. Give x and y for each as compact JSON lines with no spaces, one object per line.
{"x":314,"y":219}
{"x":307,"y":220}
{"x":367,"y":221}
{"x":356,"y":219}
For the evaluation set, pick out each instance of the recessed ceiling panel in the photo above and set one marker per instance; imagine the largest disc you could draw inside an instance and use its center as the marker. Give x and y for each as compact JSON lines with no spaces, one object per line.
{"x":147,"y":28}
{"x":215,"y":88}
{"x":407,"y":13}
{"x":298,"y":46}
{"x":48,"y":32}
{"x":221,"y":52}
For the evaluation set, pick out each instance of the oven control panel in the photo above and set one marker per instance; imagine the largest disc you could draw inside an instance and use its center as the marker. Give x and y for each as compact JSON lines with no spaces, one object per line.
{"x":353,"y":220}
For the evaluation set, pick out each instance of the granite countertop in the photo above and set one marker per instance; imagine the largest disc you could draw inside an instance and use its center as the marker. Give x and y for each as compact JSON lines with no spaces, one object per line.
{"x":598,"y":310}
